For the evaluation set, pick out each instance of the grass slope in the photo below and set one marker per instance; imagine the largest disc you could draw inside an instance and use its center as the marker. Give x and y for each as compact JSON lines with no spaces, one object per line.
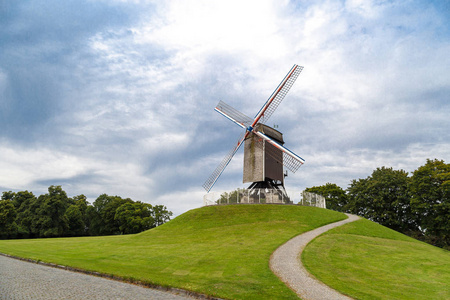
{"x":369,"y":261}
{"x":217,"y":250}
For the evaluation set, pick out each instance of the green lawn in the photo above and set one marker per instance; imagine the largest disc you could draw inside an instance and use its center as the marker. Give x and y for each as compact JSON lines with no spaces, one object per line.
{"x":222,"y":251}
{"x":368,"y":261}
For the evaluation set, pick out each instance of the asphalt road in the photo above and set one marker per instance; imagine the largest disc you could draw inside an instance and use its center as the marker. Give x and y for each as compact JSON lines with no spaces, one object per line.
{"x":25,"y":280}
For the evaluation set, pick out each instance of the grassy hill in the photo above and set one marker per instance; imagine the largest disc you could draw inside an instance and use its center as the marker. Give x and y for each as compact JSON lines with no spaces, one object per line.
{"x":224,"y":251}
{"x":370,"y":261}
{"x":218,"y":250}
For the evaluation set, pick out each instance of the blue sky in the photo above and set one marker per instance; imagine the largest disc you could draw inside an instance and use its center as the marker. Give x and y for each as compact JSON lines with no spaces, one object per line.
{"x":117,"y":97}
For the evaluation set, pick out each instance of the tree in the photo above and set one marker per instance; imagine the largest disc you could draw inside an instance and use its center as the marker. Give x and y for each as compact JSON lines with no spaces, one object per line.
{"x":430,"y":202}
{"x":93,"y":221}
{"x":8,"y":195}
{"x":75,"y":221}
{"x":51,"y":220}
{"x":81,"y":204}
{"x":22,"y":199}
{"x":8,"y":226}
{"x":26,"y":205}
{"x":134,"y":217}
{"x":96,"y":214}
{"x":54,"y":214}
{"x":161,"y":214}
{"x":384,"y":198}
{"x":335,"y":196}
{"x":106,"y":207}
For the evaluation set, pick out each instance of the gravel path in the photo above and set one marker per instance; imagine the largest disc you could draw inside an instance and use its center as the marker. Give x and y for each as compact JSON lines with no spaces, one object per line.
{"x":25,"y":280}
{"x":286,"y":264}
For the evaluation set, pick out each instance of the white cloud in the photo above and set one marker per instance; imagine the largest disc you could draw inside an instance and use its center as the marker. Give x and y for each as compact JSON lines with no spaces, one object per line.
{"x":341,"y":167}
{"x":37,"y":168}
{"x":181,"y":201}
{"x":134,"y":104}
{"x":21,"y":167}
{"x":202,"y":27}
{"x":366,"y":8}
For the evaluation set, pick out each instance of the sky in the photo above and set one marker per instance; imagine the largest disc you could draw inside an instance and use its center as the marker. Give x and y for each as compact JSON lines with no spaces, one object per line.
{"x":118,"y":97}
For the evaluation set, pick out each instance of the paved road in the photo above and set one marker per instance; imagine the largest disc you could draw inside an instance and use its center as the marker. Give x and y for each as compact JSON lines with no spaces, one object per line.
{"x":25,"y":280}
{"x":285,"y":263}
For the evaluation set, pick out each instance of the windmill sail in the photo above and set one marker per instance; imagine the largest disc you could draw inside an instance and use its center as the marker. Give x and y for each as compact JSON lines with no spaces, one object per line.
{"x":292,"y":163}
{"x":233,"y":114}
{"x":277,"y":96}
{"x":241,"y":120}
{"x":209,"y":183}
{"x":290,"y":160}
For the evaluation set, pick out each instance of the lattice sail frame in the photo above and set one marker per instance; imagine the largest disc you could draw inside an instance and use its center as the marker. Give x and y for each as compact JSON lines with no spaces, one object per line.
{"x":223,"y":164}
{"x":278,"y":95}
{"x":290,"y":160}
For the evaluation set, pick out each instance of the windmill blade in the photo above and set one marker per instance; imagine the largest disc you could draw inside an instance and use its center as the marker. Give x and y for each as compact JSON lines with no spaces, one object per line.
{"x":286,"y":160}
{"x":209,"y":183}
{"x":233,"y":114}
{"x":291,"y":163}
{"x":277,"y":96}
{"x":290,"y":160}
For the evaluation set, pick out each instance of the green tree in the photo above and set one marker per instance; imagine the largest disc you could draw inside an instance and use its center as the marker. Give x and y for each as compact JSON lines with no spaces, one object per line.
{"x":8,"y":226}
{"x":93,"y":221}
{"x":55,"y":214}
{"x":51,"y":220}
{"x":134,"y":217}
{"x":384,"y":198}
{"x":430,"y":202}
{"x":82,"y":204}
{"x":106,"y":207}
{"x":161,"y":214}
{"x":335,"y":196}
{"x":75,"y":221}
{"x":26,"y":205}
{"x":8,"y":195}
{"x":95,"y":215}
{"x":22,"y":199}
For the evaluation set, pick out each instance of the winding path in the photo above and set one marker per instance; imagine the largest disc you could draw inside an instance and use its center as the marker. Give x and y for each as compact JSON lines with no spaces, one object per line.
{"x":286,"y":264}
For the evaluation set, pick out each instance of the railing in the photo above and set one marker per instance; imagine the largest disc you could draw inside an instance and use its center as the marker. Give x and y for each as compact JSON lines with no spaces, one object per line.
{"x":263,"y":196}
{"x":311,"y":199}
{"x":244,"y":196}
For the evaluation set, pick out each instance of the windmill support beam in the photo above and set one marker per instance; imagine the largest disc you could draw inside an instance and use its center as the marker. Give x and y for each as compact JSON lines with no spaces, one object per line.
{"x":271,"y":191}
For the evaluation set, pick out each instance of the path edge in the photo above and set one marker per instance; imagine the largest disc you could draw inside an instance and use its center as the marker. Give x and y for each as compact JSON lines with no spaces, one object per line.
{"x":285,"y":262}
{"x":175,"y":291}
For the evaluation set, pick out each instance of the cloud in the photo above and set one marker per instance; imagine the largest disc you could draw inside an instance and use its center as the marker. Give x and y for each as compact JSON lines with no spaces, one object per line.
{"x":117,"y":97}
{"x":204,"y":27}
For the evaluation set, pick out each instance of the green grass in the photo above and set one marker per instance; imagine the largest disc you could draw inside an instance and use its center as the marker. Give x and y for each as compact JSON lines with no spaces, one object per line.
{"x":222,"y":251}
{"x":368,"y":261}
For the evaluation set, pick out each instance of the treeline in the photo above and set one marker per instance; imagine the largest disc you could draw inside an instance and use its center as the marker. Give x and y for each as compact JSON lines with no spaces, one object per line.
{"x":23,"y":215}
{"x":417,"y":205}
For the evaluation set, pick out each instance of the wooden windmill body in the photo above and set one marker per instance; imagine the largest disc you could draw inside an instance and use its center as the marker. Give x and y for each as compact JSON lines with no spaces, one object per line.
{"x":262,"y":161}
{"x":263,"y":167}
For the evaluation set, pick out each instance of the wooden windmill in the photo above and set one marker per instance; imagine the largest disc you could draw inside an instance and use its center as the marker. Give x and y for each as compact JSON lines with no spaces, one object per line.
{"x":264,"y":153}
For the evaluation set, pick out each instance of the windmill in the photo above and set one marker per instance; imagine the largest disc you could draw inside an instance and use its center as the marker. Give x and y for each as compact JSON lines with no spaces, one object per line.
{"x":264,"y":153}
